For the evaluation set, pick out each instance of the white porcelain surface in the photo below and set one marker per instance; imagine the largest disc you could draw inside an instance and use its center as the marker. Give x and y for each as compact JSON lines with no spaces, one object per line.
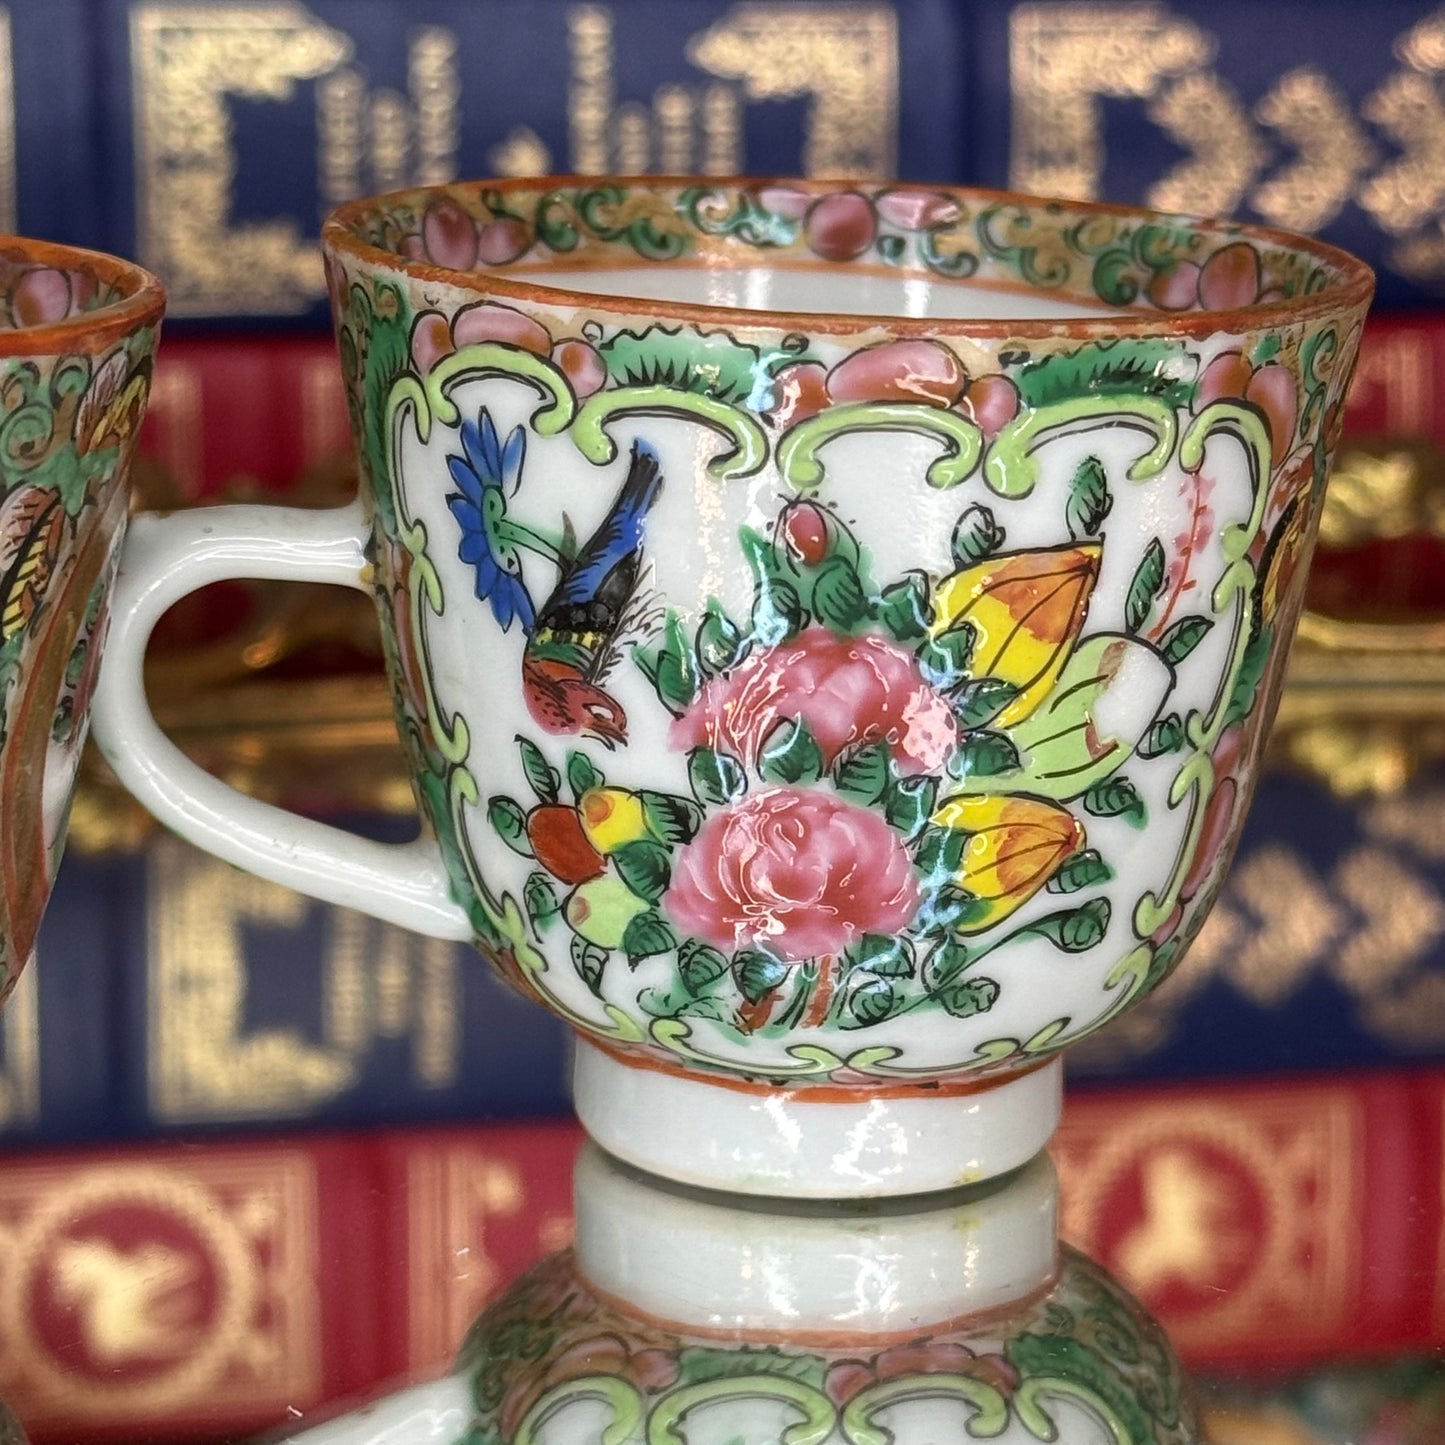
{"x":781,"y":1141}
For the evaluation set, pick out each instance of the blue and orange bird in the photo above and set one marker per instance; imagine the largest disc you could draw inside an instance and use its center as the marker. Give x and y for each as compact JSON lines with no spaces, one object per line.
{"x":576,"y":637}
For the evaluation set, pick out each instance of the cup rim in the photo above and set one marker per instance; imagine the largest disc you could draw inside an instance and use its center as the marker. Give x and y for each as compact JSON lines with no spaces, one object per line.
{"x":142,"y":302}
{"x":1354,"y":288}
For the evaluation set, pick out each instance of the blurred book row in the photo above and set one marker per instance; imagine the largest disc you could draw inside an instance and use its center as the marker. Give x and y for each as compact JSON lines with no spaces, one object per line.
{"x":207,"y":1082}
{"x":208,"y":140}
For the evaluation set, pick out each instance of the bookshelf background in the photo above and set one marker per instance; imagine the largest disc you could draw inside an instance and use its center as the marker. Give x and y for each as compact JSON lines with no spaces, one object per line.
{"x":194,"y":1041}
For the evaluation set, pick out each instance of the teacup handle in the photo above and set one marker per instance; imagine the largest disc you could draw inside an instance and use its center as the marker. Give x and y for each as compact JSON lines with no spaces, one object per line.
{"x":164,"y":559}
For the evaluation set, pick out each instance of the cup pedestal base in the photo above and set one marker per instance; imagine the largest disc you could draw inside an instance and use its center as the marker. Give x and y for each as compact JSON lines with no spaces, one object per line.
{"x":815,"y":1143}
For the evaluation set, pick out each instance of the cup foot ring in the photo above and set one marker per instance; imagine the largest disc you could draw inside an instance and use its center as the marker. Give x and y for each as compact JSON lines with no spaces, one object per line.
{"x":809,"y":1144}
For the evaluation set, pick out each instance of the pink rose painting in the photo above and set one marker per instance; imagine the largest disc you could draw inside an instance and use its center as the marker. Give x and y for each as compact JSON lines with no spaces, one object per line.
{"x":800,"y":872}
{"x":847,"y":690}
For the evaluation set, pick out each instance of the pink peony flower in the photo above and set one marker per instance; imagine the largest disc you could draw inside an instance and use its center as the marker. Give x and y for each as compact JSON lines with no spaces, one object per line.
{"x":801,"y":872}
{"x":846,"y":689}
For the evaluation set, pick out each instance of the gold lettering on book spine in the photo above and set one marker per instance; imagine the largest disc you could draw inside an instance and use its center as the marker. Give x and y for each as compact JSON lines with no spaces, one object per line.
{"x":436,"y":94}
{"x":135,"y":1291}
{"x":9,"y":209}
{"x":1065,"y":58}
{"x":589,"y":97}
{"x":185,"y":61}
{"x":207,"y":1063}
{"x":384,"y":141}
{"x":20,"y":1033}
{"x":1332,"y":152}
{"x":842,"y":58}
{"x":1261,"y":1198}
{"x":1204,"y":115}
{"x":1373,"y":925}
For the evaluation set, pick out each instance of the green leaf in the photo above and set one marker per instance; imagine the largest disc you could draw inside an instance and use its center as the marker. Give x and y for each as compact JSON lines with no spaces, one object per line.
{"x":983,"y":755}
{"x":1081,"y":870}
{"x":839,"y":600}
{"x":670,"y":819}
{"x":1251,"y":672}
{"x":1183,"y":638}
{"x":707,"y":363}
{"x":1116,"y":798}
{"x":1164,"y":736}
{"x":1104,"y":701}
{"x":700,"y":965}
{"x":1089,"y":499}
{"x":582,"y":774}
{"x":939,"y":851}
{"x":969,"y":996}
{"x":980,"y":701}
{"x":790,"y":755}
{"x":757,"y":974}
{"x":778,"y":613}
{"x":944,"y":659}
{"x":1148,"y":583}
{"x":648,"y":934}
{"x":645,"y":868}
{"x":870,"y":1003}
{"x":882,"y":954}
{"x":977,"y":535}
{"x":862,"y":774}
{"x":720,"y":643}
{"x":946,"y":908}
{"x":947,"y":961}
{"x":510,"y":823}
{"x":677,"y":678}
{"x":1154,"y":367}
{"x":903,"y":608}
{"x":589,"y":960}
{"x":646,"y":662}
{"x":541,"y":899}
{"x":1076,"y":929}
{"x":544,"y":779}
{"x":715,"y":777}
{"x":908,"y":803}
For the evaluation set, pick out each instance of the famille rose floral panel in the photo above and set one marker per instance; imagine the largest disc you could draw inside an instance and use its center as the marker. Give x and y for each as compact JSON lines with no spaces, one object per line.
{"x":73,"y":387}
{"x":818,"y":704}
{"x":552,"y":1363}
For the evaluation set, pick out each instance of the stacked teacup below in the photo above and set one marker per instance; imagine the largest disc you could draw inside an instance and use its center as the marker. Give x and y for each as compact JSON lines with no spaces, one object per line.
{"x":78,"y":333}
{"x":832,"y":632}
{"x":687,"y":1316}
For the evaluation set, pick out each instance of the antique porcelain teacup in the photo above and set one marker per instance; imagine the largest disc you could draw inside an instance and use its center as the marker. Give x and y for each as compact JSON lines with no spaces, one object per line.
{"x":832,"y":632}
{"x":683,"y":1316}
{"x":78,"y":332}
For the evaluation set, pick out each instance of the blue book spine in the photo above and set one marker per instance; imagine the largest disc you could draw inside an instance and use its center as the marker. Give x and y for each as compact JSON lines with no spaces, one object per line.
{"x":51,"y":183}
{"x":174,"y":994}
{"x":1318,"y":117}
{"x":1325,"y":950}
{"x":233,"y":129}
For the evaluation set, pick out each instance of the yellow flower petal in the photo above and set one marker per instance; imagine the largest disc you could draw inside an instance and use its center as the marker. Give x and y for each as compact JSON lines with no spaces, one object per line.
{"x":1026,"y":610}
{"x":1015,"y":846}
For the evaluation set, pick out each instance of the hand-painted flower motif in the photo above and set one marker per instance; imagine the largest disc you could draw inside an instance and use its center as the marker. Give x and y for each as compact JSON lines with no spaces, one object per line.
{"x":1015,"y":845}
{"x":797,"y":871}
{"x":847,"y":690}
{"x":485,"y":474}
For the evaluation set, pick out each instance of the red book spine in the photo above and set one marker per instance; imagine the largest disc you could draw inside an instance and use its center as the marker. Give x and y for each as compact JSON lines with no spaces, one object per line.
{"x":1270,"y":1223}
{"x":217,"y":1289}
{"x":179,"y":1290}
{"x":262,"y":411}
